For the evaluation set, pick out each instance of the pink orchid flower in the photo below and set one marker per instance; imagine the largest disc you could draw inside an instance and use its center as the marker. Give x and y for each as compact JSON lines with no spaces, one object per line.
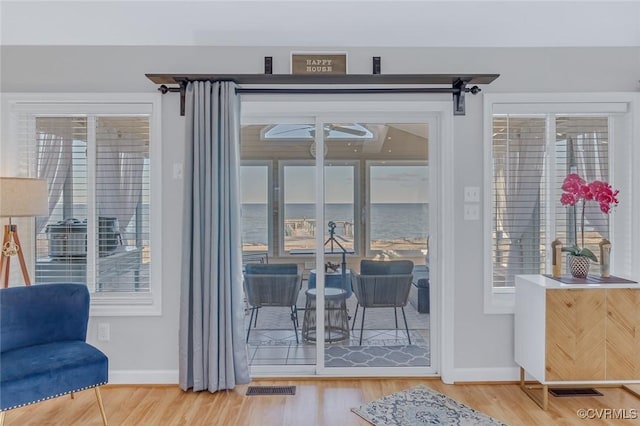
{"x":577,"y":190}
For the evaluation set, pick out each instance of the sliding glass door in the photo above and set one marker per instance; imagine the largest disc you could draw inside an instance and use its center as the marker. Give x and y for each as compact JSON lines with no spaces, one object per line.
{"x":385,"y":312}
{"x":347,"y":201}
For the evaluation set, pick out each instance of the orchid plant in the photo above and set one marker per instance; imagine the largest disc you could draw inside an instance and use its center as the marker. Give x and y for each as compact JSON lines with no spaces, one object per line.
{"x":577,"y":191}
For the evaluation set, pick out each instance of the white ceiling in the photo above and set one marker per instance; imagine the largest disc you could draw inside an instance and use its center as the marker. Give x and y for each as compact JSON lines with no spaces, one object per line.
{"x":328,"y":23}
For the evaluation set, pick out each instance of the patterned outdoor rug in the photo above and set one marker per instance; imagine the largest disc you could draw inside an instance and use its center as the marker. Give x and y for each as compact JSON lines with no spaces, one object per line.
{"x":421,"y":406}
{"x":377,"y":356}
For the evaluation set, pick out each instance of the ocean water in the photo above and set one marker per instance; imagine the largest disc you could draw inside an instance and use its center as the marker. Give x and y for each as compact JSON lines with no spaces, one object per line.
{"x":388,"y":221}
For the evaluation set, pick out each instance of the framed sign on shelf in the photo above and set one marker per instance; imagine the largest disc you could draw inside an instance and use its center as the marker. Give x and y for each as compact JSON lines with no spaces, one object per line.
{"x":319,"y":63}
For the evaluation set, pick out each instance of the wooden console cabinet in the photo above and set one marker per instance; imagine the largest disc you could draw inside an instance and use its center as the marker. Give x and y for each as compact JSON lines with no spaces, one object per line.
{"x":576,"y":334}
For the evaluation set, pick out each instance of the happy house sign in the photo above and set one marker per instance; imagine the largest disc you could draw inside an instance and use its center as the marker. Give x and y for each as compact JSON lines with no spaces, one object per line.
{"x":303,"y":63}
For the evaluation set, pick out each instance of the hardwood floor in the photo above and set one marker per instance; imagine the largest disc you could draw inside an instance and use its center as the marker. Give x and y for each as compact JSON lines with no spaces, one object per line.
{"x":316,"y":402}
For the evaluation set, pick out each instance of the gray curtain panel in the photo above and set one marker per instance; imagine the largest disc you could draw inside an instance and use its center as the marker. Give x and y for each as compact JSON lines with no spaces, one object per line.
{"x":213,"y":355}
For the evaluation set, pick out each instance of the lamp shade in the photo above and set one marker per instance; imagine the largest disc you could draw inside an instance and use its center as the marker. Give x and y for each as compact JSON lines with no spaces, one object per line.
{"x":23,"y":197}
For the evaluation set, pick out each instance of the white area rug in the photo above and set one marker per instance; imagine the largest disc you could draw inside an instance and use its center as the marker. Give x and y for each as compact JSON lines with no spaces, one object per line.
{"x":421,"y":406}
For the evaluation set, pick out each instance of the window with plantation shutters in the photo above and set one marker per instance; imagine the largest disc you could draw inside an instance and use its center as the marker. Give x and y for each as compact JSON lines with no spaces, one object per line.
{"x":582,"y":147}
{"x":98,"y":163}
{"x":531,"y":156}
{"x":532,"y":141}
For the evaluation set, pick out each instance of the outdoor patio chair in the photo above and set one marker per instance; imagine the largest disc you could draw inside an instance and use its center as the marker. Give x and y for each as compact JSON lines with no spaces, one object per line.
{"x":272,"y":284}
{"x":382,"y":284}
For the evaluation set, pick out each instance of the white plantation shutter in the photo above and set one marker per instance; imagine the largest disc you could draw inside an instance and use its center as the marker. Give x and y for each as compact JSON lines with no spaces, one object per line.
{"x":583,"y":148}
{"x":518,"y":221}
{"x":531,"y":155}
{"x":97,"y":166}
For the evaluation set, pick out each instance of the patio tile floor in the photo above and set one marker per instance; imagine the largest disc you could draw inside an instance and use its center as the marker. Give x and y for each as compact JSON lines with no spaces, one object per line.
{"x":273,"y":341}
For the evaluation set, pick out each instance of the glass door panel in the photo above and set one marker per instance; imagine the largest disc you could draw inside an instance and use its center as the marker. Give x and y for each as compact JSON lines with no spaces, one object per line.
{"x":278,"y":218}
{"x":377,"y":310}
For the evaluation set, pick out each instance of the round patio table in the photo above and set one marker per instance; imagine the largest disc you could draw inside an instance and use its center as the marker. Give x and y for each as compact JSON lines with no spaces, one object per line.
{"x":336,"y":321}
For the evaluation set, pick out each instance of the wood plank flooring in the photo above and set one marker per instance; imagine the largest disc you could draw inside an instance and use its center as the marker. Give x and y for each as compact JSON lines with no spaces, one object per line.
{"x":317,"y":402}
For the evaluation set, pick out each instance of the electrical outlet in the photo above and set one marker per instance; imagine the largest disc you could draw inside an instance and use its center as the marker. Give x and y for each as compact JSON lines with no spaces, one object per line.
{"x":471,"y":194}
{"x":471,"y":212}
{"x":104,"y":332}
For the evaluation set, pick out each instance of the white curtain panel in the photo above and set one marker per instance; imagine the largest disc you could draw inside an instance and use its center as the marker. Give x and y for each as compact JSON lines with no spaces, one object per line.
{"x":54,"y":162}
{"x":592,"y":164}
{"x":119,"y":179}
{"x":213,"y":354}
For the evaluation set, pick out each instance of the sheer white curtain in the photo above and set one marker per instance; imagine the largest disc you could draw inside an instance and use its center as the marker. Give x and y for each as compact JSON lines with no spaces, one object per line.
{"x":592,"y":163}
{"x":119,"y":179}
{"x":212,"y":350}
{"x":53,"y":164}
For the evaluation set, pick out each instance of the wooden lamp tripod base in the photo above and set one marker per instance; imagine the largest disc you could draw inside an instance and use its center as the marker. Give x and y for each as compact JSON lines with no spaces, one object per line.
{"x":11,"y":247}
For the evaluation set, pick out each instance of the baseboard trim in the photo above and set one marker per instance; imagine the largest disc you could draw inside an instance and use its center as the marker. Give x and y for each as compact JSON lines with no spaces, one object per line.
{"x":164,"y":377}
{"x":143,"y":377}
{"x":501,"y":374}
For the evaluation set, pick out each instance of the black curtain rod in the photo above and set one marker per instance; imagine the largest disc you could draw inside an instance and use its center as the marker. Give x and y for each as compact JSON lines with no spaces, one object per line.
{"x":335,"y":90}
{"x":458,"y":90}
{"x":335,"y":84}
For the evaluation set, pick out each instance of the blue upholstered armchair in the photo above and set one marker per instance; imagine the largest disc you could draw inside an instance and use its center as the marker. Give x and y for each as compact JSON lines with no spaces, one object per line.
{"x":43,"y":349}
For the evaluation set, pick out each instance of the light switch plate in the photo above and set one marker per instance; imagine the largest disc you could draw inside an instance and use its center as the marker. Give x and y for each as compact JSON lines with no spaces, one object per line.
{"x":471,"y":194}
{"x":471,"y":212}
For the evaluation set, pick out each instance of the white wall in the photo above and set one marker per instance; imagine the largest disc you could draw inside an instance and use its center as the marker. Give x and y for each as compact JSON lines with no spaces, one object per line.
{"x":483,"y":343}
{"x":317,"y":23}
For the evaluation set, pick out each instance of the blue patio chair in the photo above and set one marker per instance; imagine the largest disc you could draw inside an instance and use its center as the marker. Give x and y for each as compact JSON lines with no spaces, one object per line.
{"x":383,"y":284}
{"x":272,"y":284}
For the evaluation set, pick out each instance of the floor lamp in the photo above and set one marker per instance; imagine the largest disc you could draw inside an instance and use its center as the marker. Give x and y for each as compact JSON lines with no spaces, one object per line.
{"x":19,"y":197}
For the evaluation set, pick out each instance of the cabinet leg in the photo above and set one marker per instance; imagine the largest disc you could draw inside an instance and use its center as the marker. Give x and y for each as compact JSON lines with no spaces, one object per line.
{"x":632,"y":389}
{"x":541,"y":400}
